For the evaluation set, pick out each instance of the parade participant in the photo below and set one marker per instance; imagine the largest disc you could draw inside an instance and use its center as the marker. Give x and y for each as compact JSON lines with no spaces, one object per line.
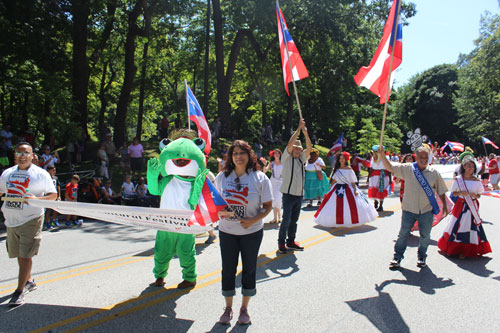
{"x":378,"y":180}
{"x":485,"y":173}
{"x":316,"y":184}
{"x":249,"y":195}
{"x":182,"y":167}
{"x":23,"y":221}
{"x":276,"y":180}
{"x":464,"y":235}
{"x":344,"y":206}
{"x":494,"y":171}
{"x":356,"y":163}
{"x":419,"y":203}
{"x":293,"y":159}
{"x":408,"y":158}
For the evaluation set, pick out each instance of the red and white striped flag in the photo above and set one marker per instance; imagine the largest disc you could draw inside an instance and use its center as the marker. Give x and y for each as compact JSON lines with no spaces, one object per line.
{"x":298,"y":68}
{"x":376,"y":76}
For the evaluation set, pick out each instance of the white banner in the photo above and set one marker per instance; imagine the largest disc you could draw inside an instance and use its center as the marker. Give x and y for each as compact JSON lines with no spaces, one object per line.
{"x":174,"y":220}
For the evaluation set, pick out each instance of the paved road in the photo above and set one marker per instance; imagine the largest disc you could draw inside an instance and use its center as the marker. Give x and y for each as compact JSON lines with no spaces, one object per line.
{"x":96,"y":278}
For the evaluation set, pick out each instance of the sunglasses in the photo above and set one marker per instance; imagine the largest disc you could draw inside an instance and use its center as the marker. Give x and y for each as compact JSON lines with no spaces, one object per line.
{"x":238,"y":185}
{"x":21,"y":153}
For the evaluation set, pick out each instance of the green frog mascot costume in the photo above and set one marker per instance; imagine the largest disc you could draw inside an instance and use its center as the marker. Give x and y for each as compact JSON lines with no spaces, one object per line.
{"x":182,"y":167}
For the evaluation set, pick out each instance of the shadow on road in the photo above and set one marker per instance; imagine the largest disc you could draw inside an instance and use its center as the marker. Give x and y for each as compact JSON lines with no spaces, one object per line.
{"x":476,"y":266}
{"x":285,"y":266}
{"x":381,"y":312}
{"x":115,"y":231}
{"x":237,"y":328}
{"x":338,"y":231}
{"x":425,"y":279}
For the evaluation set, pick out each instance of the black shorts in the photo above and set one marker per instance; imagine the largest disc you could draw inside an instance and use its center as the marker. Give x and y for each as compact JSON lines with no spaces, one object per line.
{"x":136,"y":164}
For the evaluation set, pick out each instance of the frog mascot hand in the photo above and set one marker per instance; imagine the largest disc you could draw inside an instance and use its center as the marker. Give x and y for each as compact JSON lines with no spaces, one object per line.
{"x":183,"y":169}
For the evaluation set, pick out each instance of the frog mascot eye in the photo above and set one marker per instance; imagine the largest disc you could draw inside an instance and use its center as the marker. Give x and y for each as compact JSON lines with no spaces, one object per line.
{"x":164,"y":143}
{"x":200,"y":143}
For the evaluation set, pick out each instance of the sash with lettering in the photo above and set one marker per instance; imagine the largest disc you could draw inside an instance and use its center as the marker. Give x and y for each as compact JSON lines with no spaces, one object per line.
{"x":429,"y":192}
{"x":468,"y":199}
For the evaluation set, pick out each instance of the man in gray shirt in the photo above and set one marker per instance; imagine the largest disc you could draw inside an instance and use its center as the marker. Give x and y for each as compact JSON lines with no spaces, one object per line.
{"x":416,"y":204}
{"x":293,"y":160}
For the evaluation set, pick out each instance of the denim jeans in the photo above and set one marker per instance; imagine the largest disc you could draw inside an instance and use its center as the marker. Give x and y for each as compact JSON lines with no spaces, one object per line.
{"x":230,"y":248}
{"x":424,"y":226}
{"x":291,"y":212}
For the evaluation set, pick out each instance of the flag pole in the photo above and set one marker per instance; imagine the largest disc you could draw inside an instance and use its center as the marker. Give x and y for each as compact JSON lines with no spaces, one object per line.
{"x":390,"y":74}
{"x":187,"y":103}
{"x":290,"y":65}
{"x":486,"y":151}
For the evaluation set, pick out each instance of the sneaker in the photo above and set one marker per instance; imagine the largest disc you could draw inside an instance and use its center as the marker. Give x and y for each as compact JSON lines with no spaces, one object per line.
{"x":55,"y":224}
{"x":244,"y":318}
{"x":30,"y":286}
{"x":226,"y":317}
{"x":282,"y":248}
{"x":78,"y":223}
{"x":17,"y":298}
{"x":395,"y":263}
{"x":186,"y":284}
{"x":210,"y":239}
{"x":294,"y":246}
{"x":380,"y":208}
{"x":421,"y":262}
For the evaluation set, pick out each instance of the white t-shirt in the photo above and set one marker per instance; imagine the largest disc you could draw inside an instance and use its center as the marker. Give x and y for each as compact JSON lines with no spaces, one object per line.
{"x":52,"y":161}
{"x":16,"y":183}
{"x":176,"y":194}
{"x":245,"y":200}
{"x":128,"y":188}
{"x":313,"y":166}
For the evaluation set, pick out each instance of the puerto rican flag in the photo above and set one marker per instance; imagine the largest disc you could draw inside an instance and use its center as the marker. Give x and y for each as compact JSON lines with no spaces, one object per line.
{"x":196,"y":115}
{"x":454,"y":146}
{"x":298,"y":68}
{"x":376,"y":76}
{"x":337,"y":144}
{"x":208,"y":207}
{"x":487,"y":141}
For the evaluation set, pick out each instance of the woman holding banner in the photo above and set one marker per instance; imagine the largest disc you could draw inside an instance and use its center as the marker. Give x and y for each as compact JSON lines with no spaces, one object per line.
{"x":249,"y":196}
{"x":464,"y":235}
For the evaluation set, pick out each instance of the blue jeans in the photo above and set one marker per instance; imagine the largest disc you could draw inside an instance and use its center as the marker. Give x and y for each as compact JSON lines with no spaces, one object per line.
{"x":231,"y":246}
{"x":424,"y":226}
{"x":291,"y":212}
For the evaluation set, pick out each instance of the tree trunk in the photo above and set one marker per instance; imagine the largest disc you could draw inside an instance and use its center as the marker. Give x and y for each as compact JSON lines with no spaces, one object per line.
{"x":130,"y":71}
{"x":147,"y":29}
{"x":80,"y":80}
{"x":24,"y":111}
{"x":2,"y":109}
{"x":47,"y":133}
{"x":207,"y":54}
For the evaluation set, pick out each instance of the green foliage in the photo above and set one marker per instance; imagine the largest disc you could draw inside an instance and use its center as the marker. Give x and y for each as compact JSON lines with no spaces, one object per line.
{"x":478,"y":96}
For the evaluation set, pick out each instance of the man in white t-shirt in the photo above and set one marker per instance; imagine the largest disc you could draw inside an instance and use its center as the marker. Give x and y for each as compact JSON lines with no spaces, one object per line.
{"x":24,"y":222}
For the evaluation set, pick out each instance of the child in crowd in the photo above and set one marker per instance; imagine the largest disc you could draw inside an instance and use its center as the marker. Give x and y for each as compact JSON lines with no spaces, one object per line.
{"x":142,"y":193}
{"x":71,"y":195}
{"x":128,"y":191}
{"x":108,"y":196}
{"x":54,"y":222}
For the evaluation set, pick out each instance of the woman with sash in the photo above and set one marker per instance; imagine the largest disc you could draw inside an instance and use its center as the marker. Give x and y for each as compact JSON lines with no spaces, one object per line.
{"x":378,"y":180}
{"x":344,"y":205}
{"x":464,"y":235}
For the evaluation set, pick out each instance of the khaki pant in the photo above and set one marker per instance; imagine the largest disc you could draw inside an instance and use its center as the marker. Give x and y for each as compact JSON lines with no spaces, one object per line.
{"x":24,"y":241}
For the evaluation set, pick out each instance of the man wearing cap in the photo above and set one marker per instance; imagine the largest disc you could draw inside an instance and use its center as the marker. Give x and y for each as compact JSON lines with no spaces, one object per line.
{"x":293,"y":174}
{"x":23,"y":221}
{"x":419,"y":203}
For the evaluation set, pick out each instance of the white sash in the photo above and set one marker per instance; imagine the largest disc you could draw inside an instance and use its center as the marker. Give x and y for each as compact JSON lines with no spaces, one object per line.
{"x":468,"y":199}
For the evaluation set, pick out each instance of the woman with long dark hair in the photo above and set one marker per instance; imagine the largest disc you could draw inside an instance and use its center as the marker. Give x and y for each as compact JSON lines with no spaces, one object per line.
{"x":344,"y":205}
{"x":249,"y":196}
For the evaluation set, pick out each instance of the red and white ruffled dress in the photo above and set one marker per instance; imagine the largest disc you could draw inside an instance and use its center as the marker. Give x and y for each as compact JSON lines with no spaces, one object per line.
{"x":463,"y":235}
{"x":341,"y":207}
{"x":378,"y":186}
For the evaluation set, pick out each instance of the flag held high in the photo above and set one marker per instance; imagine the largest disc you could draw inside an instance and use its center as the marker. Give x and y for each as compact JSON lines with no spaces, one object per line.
{"x":379,"y":75}
{"x":196,"y":115}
